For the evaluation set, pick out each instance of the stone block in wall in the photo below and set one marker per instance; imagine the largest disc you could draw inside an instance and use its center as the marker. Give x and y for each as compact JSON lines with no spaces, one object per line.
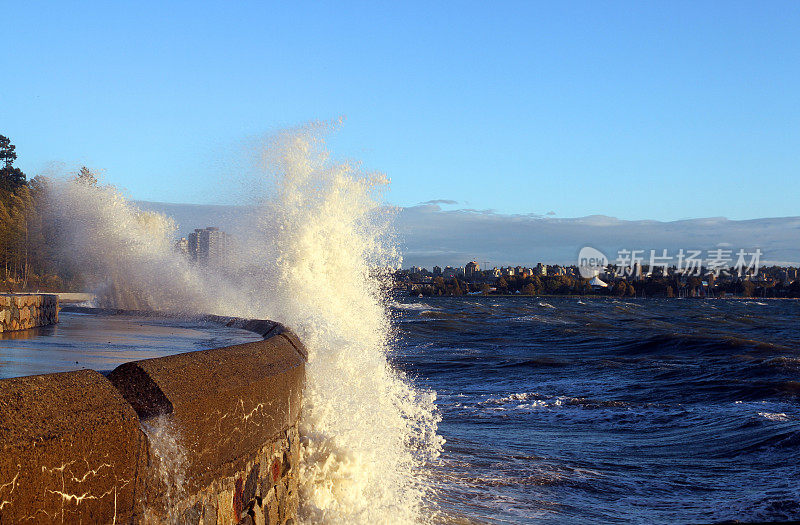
{"x":71,"y":450}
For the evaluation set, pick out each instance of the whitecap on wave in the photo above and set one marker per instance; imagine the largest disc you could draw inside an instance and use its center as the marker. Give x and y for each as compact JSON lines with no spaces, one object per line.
{"x":774,"y":416}
{"x":412,"y":306}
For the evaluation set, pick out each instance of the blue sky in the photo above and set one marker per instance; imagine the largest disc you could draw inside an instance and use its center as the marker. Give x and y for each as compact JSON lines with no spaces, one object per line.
{"x":657,"y":110}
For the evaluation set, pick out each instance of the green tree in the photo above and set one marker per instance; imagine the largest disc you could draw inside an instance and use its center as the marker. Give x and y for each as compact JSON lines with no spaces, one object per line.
{"x":87,"y":176}
{"x":14,"y":250}
{"x":11,"y":178}
{"x":24,"y":244}
{"x":502,"y":285}
{"x":439,"y":287}
{"x":7,"y":151}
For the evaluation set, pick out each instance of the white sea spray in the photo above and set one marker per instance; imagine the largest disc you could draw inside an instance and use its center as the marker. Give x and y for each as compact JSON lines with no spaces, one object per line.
{"x":311,"y":255}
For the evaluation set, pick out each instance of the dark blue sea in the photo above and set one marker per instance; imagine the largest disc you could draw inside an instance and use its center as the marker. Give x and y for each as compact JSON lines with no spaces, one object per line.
{"x":602,"y":410}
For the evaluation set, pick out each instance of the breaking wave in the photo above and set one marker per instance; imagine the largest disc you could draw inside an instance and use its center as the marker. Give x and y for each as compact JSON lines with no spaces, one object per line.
{"x":310,"y":256}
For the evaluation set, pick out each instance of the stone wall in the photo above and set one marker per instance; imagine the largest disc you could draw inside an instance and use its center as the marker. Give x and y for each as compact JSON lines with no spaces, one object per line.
{"x":24,"y":311}
{"x":262,"y":491}
{"x":197,"y":438}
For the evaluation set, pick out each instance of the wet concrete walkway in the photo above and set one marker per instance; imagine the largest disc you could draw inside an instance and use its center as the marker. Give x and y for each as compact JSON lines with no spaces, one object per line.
{"x":104,"y":341}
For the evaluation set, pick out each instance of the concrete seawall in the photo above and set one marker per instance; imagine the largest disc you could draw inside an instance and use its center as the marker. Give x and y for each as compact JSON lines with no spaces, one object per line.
{"x":199,"y":437}
{"x":25,"y":311}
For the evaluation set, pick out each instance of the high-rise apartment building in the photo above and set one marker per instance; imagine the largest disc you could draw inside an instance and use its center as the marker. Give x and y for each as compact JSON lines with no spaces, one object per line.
{"x":208,"y":246}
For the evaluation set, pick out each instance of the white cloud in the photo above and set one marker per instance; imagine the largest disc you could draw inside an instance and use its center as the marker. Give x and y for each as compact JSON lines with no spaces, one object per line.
{"x":442,"y":201}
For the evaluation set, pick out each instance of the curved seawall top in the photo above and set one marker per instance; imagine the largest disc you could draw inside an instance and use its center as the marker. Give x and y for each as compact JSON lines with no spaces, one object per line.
{"x":225,"y":402}
{"x":79,"y":446}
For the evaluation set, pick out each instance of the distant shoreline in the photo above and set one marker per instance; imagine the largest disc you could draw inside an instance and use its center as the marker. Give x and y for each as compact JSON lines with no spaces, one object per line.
{"x":575,"y":296}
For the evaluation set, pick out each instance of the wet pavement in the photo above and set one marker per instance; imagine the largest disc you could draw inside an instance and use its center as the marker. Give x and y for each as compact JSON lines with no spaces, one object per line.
{"x":102,"y":341}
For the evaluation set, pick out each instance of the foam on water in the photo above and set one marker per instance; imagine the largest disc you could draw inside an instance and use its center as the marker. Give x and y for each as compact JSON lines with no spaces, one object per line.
{"x":316,"y":242}
{"x":774,"y":416}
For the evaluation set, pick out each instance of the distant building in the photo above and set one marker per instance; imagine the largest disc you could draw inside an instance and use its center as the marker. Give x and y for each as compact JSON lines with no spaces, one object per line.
{"x":471,"y":269}
{"x":437,"y":271}
{"x":213,"y":246}
{"x":540,"y":270}
{"x":208,"y":246}
{"x":193,"y":244}
{"x":449,"y":272}
{"x":182,"y":246}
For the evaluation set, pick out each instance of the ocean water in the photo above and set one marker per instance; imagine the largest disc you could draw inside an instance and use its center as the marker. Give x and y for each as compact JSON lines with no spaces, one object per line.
{"x":562,"y":410}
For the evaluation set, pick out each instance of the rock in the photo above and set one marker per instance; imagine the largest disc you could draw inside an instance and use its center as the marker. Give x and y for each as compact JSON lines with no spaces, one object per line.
{"x":191,"y":516}
{"x":210,"y":515}
{"x":258,"y":514}
{"x":271,"y":511}
{"x":250,"y":485}
{"x":225,"y":510}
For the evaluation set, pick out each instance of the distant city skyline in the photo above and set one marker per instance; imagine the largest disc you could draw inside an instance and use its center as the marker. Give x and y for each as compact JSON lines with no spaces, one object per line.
{"x":640,"y":111}
{"x":430,"y":235}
